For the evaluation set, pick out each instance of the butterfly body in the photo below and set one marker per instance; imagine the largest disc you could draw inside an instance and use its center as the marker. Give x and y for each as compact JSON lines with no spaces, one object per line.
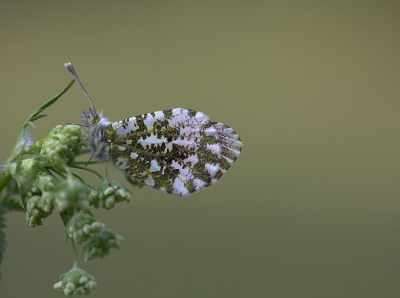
{"x":178,"y":151}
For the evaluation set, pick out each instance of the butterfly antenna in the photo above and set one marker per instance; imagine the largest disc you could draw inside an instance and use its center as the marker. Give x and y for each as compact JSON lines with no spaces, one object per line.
{"x":71,"y":69}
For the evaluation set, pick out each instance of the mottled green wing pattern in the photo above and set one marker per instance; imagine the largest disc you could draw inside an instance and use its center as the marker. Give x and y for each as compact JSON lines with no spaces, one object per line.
{"x":179,"y":151}
{"x":230,"y":145}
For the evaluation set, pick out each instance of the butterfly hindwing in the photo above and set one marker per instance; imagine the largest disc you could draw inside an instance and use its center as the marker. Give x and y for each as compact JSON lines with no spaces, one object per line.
{"x":177,"y":151}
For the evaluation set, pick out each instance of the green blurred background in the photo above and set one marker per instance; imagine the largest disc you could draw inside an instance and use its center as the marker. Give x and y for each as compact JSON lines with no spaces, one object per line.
{"x":310,"y":209}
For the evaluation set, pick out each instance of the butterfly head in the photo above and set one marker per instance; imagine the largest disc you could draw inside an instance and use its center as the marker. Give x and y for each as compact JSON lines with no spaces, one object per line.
{"x":91,"y":117}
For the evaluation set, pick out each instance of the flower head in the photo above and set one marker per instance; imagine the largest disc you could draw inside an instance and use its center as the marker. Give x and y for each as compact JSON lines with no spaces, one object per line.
{"x":34,"y":211}
{"x":72,"y":194}
{"x":63,"y":144}
{"x":29,"y":170}
{"x":82,"y":226}
{"x":54,"y":151}
{"x":39,"y":198}
{"x":108,"y":195}
{"x":76,"y":282}
{"x":72,"y":136}
{"x":99,"y":245}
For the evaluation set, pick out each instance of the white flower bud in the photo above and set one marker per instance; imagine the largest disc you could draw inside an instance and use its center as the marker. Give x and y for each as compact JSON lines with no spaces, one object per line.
{"x":110,"y":202}
{"x":91,"y":285}
{"x":83,"y":280}
{"x":109,"y":191}
{"x":67,"y":292}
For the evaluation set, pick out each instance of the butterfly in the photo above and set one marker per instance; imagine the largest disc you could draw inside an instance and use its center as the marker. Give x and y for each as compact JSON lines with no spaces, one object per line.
{"x":179,"y":151}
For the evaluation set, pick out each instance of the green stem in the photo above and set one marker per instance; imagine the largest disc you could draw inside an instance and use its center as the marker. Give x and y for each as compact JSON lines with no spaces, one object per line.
{"x":79,"y":178}
{"x":58,"y":173}
{"x":76,"y":265}
{"x":83,"y":163}
{"x":64,"y":220}
{"x":90,"y":170}
{"x":51,"y":174}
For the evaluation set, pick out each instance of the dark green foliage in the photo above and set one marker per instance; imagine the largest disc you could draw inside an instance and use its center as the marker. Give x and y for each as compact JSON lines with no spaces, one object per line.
{"x":3,"y":242}
{"x":9,"y":204}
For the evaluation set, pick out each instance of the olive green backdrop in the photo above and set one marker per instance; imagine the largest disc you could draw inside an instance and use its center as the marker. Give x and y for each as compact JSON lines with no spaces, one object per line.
{"x":312,"y":206}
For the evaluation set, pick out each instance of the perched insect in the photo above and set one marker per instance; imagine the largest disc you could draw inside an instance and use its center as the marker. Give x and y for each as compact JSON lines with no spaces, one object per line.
{"x":178,"y":151}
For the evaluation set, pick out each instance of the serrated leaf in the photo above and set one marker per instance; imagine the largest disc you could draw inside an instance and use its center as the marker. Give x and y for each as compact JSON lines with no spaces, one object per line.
{"x":9,"y":204}
{"x":3,"y":242}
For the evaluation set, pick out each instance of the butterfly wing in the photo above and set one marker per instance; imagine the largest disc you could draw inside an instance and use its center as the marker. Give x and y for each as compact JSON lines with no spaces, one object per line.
{"x":179,"y":151}
{"x":231,"y":147}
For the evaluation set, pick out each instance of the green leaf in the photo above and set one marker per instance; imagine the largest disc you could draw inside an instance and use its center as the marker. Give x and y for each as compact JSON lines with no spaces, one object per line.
{"x":9,"y":204}
{"x":3,"y":242}
{"x":48,"y":103}
{"x":38,"y":117}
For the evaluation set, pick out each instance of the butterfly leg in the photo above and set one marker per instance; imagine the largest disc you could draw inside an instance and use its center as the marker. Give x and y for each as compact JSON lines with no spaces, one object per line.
{"x":108,"y":180}
{"x":76,"y":124}
{"x":91,"y":159}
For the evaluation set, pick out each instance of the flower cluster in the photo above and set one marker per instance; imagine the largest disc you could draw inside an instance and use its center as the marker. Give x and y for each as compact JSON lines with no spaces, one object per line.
{"x":72,"y":194}
{"x":39,"y":198}
{"x":99,"y":245}
{"x":40,"y":190}
{"x":76,"y":282}
{"x":108,"y":194}
{"x":81,"y":227}
{"x":63,"y":144}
